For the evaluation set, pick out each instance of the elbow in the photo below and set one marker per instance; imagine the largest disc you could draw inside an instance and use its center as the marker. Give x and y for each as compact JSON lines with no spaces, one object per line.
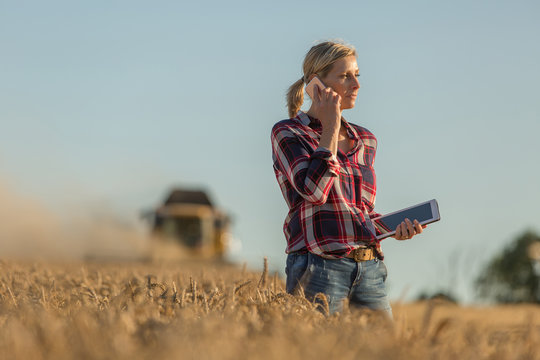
{"x":317,"y":197}
{"x":314,"y":190}
{"x":319,"y":201}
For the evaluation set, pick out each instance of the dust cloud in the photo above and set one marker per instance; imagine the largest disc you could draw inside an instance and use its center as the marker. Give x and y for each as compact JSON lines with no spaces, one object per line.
{"x":29,"y":230}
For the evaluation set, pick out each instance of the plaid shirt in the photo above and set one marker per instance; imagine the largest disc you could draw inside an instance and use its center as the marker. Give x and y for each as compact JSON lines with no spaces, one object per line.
{"x":330,"y":198}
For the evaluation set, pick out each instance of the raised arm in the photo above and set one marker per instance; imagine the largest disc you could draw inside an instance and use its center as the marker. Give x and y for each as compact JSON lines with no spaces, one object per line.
{"x":311,"y":175}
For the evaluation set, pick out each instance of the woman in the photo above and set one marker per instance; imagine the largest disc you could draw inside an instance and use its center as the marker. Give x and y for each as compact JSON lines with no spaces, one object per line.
{"x":324,"y":167}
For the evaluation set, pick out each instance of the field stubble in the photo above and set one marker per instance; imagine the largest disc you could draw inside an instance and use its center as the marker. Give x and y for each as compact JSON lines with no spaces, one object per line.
{"x":219,"y":311}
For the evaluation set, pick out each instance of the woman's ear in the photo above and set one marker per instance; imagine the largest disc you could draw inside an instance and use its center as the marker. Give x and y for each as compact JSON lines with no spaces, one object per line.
{"x":311,"y":77}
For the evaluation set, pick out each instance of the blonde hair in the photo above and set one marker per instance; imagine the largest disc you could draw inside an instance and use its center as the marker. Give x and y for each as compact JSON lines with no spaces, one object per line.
{"x":319,"y":60}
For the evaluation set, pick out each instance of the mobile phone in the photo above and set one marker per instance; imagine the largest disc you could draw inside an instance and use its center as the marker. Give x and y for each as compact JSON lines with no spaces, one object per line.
{"x":426,"y":213}
{"x":311,"y":85}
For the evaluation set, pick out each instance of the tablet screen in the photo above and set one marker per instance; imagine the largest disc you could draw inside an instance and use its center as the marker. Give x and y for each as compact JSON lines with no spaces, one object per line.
{"x":388,"y":223}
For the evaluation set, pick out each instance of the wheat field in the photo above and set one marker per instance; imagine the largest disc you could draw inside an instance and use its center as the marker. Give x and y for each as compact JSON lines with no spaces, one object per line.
{"x":92,"y":310}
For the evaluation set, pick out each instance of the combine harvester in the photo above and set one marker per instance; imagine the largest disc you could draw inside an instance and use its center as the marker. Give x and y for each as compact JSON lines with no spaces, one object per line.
{"x":188,"y":226}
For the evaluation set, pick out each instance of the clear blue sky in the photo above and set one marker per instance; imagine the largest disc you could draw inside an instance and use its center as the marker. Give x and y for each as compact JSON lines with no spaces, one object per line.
{"x":109,"y":103}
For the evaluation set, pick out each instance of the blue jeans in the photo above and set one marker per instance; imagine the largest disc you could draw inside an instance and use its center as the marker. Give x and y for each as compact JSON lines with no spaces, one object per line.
{"x":363,"y":283}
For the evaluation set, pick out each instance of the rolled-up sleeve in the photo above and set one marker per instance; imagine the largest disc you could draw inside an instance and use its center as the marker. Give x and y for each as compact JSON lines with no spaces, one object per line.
{"x":311,"y":174}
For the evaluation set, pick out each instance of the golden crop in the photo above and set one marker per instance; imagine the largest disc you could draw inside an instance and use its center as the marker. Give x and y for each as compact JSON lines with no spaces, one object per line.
{"x":219,"y":311}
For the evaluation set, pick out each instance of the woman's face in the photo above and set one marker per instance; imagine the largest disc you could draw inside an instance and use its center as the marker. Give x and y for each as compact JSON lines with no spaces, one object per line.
{"x":343,"y":79}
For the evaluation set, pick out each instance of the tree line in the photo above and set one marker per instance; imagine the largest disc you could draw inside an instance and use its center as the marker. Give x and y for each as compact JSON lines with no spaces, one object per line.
{"x":513,"y":274}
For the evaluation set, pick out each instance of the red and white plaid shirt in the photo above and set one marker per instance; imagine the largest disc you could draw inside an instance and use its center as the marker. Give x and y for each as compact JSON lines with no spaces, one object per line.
{"x":330,"y":199}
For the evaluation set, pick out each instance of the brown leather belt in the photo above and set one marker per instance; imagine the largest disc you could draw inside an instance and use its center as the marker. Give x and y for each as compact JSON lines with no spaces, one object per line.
{"x":362,"y":254}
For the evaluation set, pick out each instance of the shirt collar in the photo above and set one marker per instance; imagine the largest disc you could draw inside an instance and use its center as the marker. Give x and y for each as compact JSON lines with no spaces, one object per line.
{"x":307,"y":120}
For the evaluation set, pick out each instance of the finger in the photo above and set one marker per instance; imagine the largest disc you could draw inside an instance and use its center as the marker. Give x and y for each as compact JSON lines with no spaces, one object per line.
{"x":320,"y":94}
{"x":398,"y":235}
{"x":417,"y":226}
{"x":328,"y":93}
{"x":403,"y":230}
{"x":410,"y":228}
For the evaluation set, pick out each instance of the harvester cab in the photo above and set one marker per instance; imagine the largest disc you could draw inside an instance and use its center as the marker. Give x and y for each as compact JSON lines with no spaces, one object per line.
{"x":189,"y":225}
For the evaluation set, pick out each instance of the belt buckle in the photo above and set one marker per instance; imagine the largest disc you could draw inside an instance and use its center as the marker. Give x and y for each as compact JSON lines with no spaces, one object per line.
{"x":362,"y":254}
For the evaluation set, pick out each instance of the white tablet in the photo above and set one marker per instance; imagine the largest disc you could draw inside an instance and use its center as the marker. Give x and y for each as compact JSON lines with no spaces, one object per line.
{"x":426,"y":213}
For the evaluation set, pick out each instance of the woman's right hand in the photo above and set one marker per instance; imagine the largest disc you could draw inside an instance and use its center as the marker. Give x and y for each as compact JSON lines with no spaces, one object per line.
{"x":327,"y":106}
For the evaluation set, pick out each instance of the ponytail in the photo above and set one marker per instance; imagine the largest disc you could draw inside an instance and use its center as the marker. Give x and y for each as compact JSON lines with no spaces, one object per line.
{"x":295,"y":97}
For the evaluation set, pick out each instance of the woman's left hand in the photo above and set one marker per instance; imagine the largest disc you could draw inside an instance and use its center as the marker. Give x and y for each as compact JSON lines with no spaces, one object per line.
{"x":406,"y":230}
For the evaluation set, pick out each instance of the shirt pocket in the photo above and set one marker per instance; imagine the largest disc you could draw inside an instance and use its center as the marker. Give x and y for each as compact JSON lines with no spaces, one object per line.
{"x":346,"y":183}
{"x":368,"y":184}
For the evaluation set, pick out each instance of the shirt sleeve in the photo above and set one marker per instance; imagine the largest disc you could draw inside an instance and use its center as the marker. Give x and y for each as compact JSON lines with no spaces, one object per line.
{"x":311,"y":174}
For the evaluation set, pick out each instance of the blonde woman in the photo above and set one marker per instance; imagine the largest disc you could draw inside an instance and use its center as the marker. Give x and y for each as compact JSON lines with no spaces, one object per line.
{"x":324,"y":167}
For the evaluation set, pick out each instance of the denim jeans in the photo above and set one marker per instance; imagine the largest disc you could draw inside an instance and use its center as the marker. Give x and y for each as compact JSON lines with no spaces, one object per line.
{"x":363,"y":283}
